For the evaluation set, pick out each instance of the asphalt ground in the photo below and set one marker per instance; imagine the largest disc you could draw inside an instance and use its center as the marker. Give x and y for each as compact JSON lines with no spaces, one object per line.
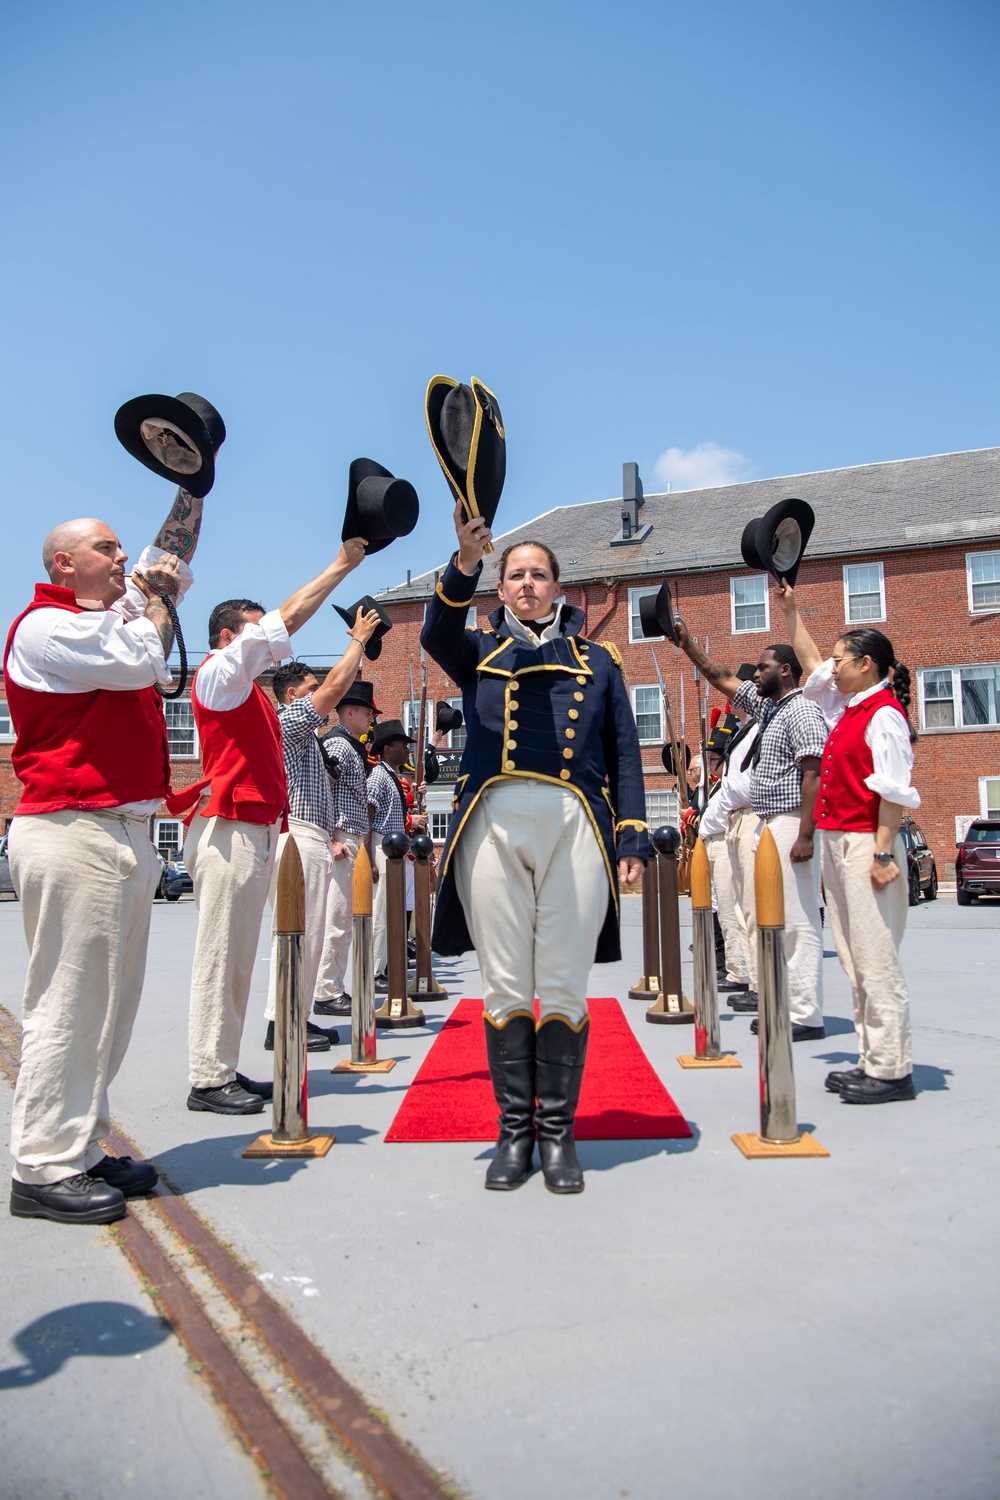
{"x":693,"y":1323}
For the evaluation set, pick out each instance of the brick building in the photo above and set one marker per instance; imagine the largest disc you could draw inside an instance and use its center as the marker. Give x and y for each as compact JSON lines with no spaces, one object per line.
{"x":911,"y":546}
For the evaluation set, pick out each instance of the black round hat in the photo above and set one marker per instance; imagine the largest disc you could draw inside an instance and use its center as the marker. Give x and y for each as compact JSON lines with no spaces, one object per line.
{"x":380,"y":507}
{"x":446,"y":717}
{"x":175,"y":436}
{"x":656,"y":615}
{"x":775,"y":543}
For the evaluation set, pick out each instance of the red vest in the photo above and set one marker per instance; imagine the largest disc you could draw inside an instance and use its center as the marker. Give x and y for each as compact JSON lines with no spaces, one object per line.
{"x":242,"y":759}
{"x":76,"y":751}
{"x":844,"y":803}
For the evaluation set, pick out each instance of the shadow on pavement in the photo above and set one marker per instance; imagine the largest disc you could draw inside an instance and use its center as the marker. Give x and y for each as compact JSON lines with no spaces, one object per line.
{"x":215,"y":1163}
{"x":84,"y":1329}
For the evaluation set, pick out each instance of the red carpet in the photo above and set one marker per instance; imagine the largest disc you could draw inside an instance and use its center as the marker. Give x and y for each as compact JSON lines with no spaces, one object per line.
{"x":451,"y":1098}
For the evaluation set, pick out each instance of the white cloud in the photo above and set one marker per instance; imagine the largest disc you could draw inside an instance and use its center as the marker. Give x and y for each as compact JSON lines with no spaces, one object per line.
{"x":702,"y":467}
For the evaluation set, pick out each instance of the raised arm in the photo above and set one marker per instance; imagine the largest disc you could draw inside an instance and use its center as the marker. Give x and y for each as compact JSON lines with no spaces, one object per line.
{"x":303,"y":604}
{"x":179,"y":532}
{"x":444,"y":636}
{"x":799,"y":639}
{"x":720,"y":677}
{"x":339,"y":678}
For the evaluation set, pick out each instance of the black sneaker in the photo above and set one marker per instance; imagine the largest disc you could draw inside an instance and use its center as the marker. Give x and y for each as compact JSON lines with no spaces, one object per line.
{"x":263,"y":1091}
{"x":339,"y":1007}
{"x":80,"y":1199}
{"x":317,"y":1040}
{"x":226,"y":1099}
{"x":133,"y":1178}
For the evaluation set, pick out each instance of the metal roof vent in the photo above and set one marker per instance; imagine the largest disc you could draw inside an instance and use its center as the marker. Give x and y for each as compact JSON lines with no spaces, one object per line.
{"x":631,"y":533}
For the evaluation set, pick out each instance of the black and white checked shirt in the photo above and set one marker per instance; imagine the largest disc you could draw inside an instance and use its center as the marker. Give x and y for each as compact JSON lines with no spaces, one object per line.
{"x":350,"y":790}
{"x":799,"y":729}
{"x":309,"y":791}
{"x":384,"y":795}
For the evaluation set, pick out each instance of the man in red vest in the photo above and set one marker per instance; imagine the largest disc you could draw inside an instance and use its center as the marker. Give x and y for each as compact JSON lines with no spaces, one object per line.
{"x":232,"y":842}
{"x":82,"y":666}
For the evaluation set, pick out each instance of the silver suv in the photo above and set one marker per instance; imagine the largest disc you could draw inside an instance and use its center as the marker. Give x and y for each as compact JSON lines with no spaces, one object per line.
{"x":6,"y":884}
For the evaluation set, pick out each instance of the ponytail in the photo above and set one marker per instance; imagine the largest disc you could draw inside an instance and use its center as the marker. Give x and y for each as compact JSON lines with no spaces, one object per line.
{"x":873,"y":643}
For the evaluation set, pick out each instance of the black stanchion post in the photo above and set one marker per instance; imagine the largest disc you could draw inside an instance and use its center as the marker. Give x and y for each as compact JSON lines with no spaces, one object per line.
{"x":671,"y":1007}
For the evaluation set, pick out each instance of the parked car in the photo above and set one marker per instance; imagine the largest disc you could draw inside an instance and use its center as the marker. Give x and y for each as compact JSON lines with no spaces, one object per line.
{"x":921,"y":869}
{"x":6,"y":884}
{"x":977,"y":864}
{"x":175,"y":880}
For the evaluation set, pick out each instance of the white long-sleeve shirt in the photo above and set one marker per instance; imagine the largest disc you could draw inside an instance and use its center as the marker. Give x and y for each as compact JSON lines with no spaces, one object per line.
{"x":886,"y":735}
{"x":734,"y":791}
{"x":226,"y":676}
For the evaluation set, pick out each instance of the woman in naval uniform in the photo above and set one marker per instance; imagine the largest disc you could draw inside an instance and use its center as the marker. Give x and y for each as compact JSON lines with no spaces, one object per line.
{"x":549,"y":803}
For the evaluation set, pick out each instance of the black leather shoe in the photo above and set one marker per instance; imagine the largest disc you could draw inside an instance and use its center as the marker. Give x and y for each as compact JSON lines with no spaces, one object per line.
{"x":560,"y":1055}
{"x":80,"y":1199}
{"x":510,"y":1052}
{"x":747,"y":1002}
{"x":263,"y":1091}
{"x":724,"y":984}
{"x":133,"y":1178}
{"x":381,"y":984}
{"x":317,"y":1040}
{"x":878,"y":1090}
{"x":339,"y":1007}
{"x":799,"y":1033}
{"x":835,"y":1081}
{"x":226,"y":1099}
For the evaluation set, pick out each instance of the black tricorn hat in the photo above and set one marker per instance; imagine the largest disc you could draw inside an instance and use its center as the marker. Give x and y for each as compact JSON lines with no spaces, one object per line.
{"x":446,"y":717}
{"x":467,"y":435}
{"x":380,"y":507}
{"x":175,"y":436}
{"x":362,"y":693}
{"x":656,"y":614}
{"x":776,"y":541}
{"x":667,"y":757}
{"x":388,"y":730}
{"x":373,"y":645}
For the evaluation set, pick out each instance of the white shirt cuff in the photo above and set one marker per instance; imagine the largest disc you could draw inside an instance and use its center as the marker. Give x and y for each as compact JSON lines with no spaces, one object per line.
{"x":276,"y":634}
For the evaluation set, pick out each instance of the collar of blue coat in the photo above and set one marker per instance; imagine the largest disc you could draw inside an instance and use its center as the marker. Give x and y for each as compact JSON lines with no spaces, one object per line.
{"x":511,"y":658}
{"x":571,"y":620}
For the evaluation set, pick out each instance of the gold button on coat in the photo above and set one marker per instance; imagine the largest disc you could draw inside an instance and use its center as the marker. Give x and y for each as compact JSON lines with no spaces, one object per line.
{"x":564,"y":775}
{"x":567,"y":754}
{"x":508,"y":765}
{"x":573,"y":713}
{"x":514,"y":684}
{"x":571,"y":734}
{"x":581,"y":681}
{"x":578,"y":696}
{"x":514,"y":704}
{"x":512,"y":724}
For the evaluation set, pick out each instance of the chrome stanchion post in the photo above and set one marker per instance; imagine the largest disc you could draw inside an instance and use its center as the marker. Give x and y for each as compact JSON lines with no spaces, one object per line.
{"x":649,"y":982}
{"x":364,"y":1050}
{"x":671,"y":1007}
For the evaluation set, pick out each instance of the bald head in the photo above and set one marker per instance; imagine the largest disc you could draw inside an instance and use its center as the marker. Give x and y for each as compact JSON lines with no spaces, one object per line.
{"x":86,"y":556}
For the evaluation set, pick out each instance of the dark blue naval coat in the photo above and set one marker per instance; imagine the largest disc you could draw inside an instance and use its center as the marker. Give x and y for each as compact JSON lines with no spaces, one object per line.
{"x":558,"y":712}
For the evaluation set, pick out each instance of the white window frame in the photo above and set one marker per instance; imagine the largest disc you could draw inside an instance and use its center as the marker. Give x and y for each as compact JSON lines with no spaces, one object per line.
{"x":435,"y":825}
{"x":872,"y":619}
{"x":7,"y":736}
{"x":673,"y":814}
{"x":634,"y":595}
{"x":186,"y":703}
{"x":959,"y":726}
{"x":172,"y":823}
{"x":472,"y":617}
{"x":984,"y":797}
{"x":411,"y":720}
{"x":984,"y":609}
{"x":766,"y":601}
{"x":640,"y":687}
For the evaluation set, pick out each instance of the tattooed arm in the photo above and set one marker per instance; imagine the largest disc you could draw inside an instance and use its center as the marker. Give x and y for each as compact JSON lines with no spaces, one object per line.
{"x":720,"y":677}
{"x":179,"y":532}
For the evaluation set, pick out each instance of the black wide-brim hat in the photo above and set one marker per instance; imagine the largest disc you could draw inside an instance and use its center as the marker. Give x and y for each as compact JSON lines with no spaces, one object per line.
{"x":373,"y":645}
{"x":667,"y":757}
{"x":175,"y":436}
{"x":362,"y":693}
{"x":446,"y":717}
{"x":656,"y":615}
{"x":775,"y":543}
{"x":467,"y":434}
{"x":387,"y":731}
{"x":380,"y":507}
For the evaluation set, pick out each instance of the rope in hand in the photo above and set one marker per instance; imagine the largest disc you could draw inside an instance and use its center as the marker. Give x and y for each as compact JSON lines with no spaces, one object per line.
{"x":163,"y":595}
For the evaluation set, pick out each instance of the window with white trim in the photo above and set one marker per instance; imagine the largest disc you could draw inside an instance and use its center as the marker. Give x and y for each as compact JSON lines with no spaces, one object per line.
{"x":439,"y":826}
{"x":749,"y":604}
{"x":634,"y":623}
{"x":6,"y":725}
{"x":411,"y":722}
{"x":169,"y":836}
{"x":472,"y":618}
{"x":864,"y":593}
{"x":989,"y":797}
{"x":983,"y":573}
{"x":182,"y":734}
{"x":646,"y":706}
{"x":662,"y":807}
{"x":959,"y":697}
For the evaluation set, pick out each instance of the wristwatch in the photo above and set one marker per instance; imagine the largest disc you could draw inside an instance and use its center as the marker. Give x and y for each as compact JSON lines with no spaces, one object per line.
{"x":884,"y":859}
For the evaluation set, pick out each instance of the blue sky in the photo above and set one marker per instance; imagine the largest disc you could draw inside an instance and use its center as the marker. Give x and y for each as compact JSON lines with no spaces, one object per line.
{"x":723,"y":240}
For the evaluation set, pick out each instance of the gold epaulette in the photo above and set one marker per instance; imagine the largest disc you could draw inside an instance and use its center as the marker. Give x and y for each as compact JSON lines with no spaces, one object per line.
{"x":614,"y":653}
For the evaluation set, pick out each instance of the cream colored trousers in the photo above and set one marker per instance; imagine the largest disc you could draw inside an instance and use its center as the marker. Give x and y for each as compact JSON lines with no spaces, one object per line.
{"x":316,"y":853}
{"x":740,"y":839}
{"x":86,"y":882}
{"x":803,"y":929}
{"x":534,"y":887}
{"x":868,"y":927}
{"x":725,"y":900}
{"x":230,"y":864}
{"x":339,"y":926}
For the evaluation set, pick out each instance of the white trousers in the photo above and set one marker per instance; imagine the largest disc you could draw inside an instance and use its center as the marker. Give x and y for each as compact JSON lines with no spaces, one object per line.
{"x":316,"y":852}
{"x":379,"y":924}
{"x":332,"y":980}
{"x":868,"y":927}
{"x":86,"y":883}
{"x":803,"y":929}
{"x":230,"y":864}
{"x":740,"y":840}
{"x":532,"y":880}
{"x":725,"y":903}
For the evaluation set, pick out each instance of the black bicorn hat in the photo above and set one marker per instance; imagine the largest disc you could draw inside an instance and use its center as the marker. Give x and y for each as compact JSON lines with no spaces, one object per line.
{"x":656,"y":615}
{"x":362,"y":693}
{"x":467,"y":434}
{"x":775,"y":542}
{"x":446,"y":717}
{"x":388,"y":730}
{"x":380,"y":507}
{"x":175,"y":436}
{"x":667,"y":757}
{"x":373,"y":645}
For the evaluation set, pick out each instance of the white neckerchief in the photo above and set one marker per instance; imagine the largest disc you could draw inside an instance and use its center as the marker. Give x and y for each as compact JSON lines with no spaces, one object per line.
{"x":527,"y":633}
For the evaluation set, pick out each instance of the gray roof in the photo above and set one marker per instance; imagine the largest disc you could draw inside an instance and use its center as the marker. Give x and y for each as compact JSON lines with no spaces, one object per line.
{"x":889,"y":507}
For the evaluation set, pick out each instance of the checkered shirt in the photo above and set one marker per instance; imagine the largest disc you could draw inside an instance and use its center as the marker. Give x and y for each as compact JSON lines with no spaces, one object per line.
{"x":350,"y":790}
{"x":799,"y":730}
{"x":383,"y":794}
{"x":309,"y":791}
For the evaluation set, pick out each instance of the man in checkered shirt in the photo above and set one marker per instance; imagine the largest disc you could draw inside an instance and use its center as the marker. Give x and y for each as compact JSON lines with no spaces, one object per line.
{"x":786,"y":767}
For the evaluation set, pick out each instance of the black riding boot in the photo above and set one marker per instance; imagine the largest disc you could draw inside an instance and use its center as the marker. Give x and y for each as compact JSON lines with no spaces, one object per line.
{"x":560,"y":1053}
{"x":510,"y":1050}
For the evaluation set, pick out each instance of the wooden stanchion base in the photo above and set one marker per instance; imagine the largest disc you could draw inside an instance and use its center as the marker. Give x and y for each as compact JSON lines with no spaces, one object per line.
{"x":727,"y":1060}
{"x":648,"y":985}
{"x":313,"y":1145}
{"x":671,"y":1010}
{"x":382,"y":1065}
{"x":753,"y":1147}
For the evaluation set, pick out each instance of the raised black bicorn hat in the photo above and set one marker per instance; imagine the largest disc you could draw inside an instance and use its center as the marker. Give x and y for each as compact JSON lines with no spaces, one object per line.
{"x":656,"y":615}
{"x":380,"y":507}
{"x":775,"y":542}
{"x":466,"y":431}
{"x":446,"y":717}
{"x":175,"y":436}
{"x":373,"y":645}
{"x":667,"y":757}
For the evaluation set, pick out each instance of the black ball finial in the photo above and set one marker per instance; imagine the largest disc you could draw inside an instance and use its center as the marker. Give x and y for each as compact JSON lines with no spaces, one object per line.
{"x":666,"y":839}
{"x":395,"y":846}
{"x":422,"y":846}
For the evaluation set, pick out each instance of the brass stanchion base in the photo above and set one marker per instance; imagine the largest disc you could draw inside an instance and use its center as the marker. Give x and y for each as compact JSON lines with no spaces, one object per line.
{"x":727,"y":1060}
{"x":427,"y":989}
{"x":643,"y":988}
{"x":313,"y":1145}
{"x":671,"y":1010}
{"x":382,"y":1065}
{"x":754,"y":1147}
{"x":398,"y":1013}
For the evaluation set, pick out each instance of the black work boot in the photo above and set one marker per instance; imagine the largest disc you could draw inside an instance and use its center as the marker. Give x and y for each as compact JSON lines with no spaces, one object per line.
{"x":510,"y":1050}
{"x":560,"y":1053}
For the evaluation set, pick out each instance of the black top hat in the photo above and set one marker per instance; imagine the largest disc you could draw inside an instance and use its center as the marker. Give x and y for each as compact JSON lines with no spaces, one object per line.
{"x":467,"y":435}
{"x":667,"y":757}
{"x":747,"y":672}
{"x":379,"y":507}
{"x":656,"y":615}
{"x":447,"y":718}
{"x":362,"y":693}
{"x":373,"y":645}
{"x":776,"y":541}
{"x":387,"y":731}
{"x":175,"y":436}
